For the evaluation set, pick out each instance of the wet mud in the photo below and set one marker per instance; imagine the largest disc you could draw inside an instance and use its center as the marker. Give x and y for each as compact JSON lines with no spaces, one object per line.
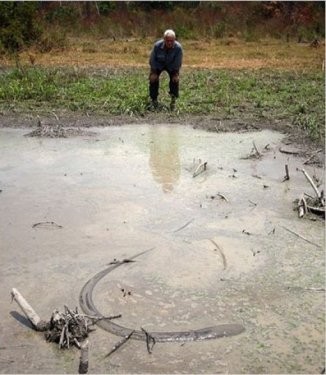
{"x":221,"y":252}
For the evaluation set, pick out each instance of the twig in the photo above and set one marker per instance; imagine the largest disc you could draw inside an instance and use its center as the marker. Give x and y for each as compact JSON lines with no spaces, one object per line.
{"x":311,"y":183}
{"x":149,"y":338}
{"x":77,"y":343}
{"x":55,"y":115}
{"x":200,"y":169}
{"x":222,"y":196}
{"x":71,"y":314}
{"x":287,"y":176}
{"x":115,"y":261}
{"x":62,"y":335}
{"x":256,"y":149}
{"x":299,"y":235}
{"x":289,"y":152}
{"x":185,"y":225}
{"x":221,"y":253}
{"x":302,"y":206}
{"x":312,"y":156}
{"x":120,"y":343}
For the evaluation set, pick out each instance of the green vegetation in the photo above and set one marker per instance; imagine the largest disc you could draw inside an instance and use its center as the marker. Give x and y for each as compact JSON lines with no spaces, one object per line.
{"x":256,"y":95}
{"x":26,"y":23}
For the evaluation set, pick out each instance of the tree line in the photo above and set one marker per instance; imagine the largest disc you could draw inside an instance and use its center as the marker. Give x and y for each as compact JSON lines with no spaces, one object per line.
{"x":24,"y":23}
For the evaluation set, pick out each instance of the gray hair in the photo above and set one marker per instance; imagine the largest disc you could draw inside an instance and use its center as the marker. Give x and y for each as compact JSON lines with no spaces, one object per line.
{"x":169,"y":32}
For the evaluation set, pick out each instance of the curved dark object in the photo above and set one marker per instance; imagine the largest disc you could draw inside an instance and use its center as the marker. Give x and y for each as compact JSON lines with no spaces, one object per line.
{"x":87,"y":305}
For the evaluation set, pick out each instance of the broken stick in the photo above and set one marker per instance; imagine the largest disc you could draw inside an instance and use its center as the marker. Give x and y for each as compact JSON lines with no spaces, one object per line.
{"x":149,"y":338}
{"x":200,"y":169}
{"x":222,"y":196}
{"x":37,"y":323}
{"x":302,"y":206}
{"x":318,"y":193}
{"x":120,"y":343}
{"x":299,"y":235}
{"x":256,"y":149}
{"x":83,"y":362}
{"x":287,"y":176}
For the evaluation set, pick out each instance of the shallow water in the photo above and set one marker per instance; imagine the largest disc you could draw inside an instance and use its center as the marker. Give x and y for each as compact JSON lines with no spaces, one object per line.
{"x":214,"y":261}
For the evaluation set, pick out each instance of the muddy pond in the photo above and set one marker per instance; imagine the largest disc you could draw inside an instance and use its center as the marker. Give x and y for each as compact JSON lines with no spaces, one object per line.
{"x":220,"y":228}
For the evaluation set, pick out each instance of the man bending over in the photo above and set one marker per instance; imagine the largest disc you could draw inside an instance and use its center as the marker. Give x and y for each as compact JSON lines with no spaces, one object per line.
{"x":166,"y":55}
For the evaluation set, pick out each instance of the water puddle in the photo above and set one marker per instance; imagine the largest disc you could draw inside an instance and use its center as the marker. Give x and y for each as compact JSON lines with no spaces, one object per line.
{"x":131,"y":188}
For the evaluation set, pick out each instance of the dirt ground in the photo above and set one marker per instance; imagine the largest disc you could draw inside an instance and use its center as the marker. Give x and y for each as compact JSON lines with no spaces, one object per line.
{"x":125,"y":185}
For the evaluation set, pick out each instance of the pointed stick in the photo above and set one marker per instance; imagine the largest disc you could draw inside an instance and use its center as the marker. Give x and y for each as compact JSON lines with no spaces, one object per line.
{"x":37,"y":323}
{"x":120,"y":343}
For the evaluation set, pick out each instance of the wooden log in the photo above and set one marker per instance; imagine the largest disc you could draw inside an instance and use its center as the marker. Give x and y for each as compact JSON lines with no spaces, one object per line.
{"x":83,"y":362}
{"x":37,"y":323}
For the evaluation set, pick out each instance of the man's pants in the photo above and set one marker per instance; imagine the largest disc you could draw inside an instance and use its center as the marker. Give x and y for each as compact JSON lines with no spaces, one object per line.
{"x":154,"y":83}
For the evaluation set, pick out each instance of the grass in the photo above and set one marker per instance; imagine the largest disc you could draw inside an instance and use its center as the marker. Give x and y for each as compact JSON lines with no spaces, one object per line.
{"x":268,"y":81}
{"x":250,"y":95}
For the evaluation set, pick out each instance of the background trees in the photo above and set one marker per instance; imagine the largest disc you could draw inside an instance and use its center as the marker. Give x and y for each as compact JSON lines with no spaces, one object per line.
{"x":46,"y":23}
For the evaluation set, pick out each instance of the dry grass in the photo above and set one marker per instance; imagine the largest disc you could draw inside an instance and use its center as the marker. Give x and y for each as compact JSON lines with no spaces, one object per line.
{"x":229,"y":53}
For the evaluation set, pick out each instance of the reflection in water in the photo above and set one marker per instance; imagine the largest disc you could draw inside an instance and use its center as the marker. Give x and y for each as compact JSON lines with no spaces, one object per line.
{"x":164,"y":157}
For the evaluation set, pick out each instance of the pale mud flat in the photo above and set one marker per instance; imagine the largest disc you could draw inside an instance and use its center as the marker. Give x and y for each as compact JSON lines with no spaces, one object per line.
{"x":128,"y":189}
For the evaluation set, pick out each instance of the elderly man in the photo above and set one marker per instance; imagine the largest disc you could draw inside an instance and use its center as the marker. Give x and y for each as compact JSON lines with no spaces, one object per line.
{"x":166,"y":55}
